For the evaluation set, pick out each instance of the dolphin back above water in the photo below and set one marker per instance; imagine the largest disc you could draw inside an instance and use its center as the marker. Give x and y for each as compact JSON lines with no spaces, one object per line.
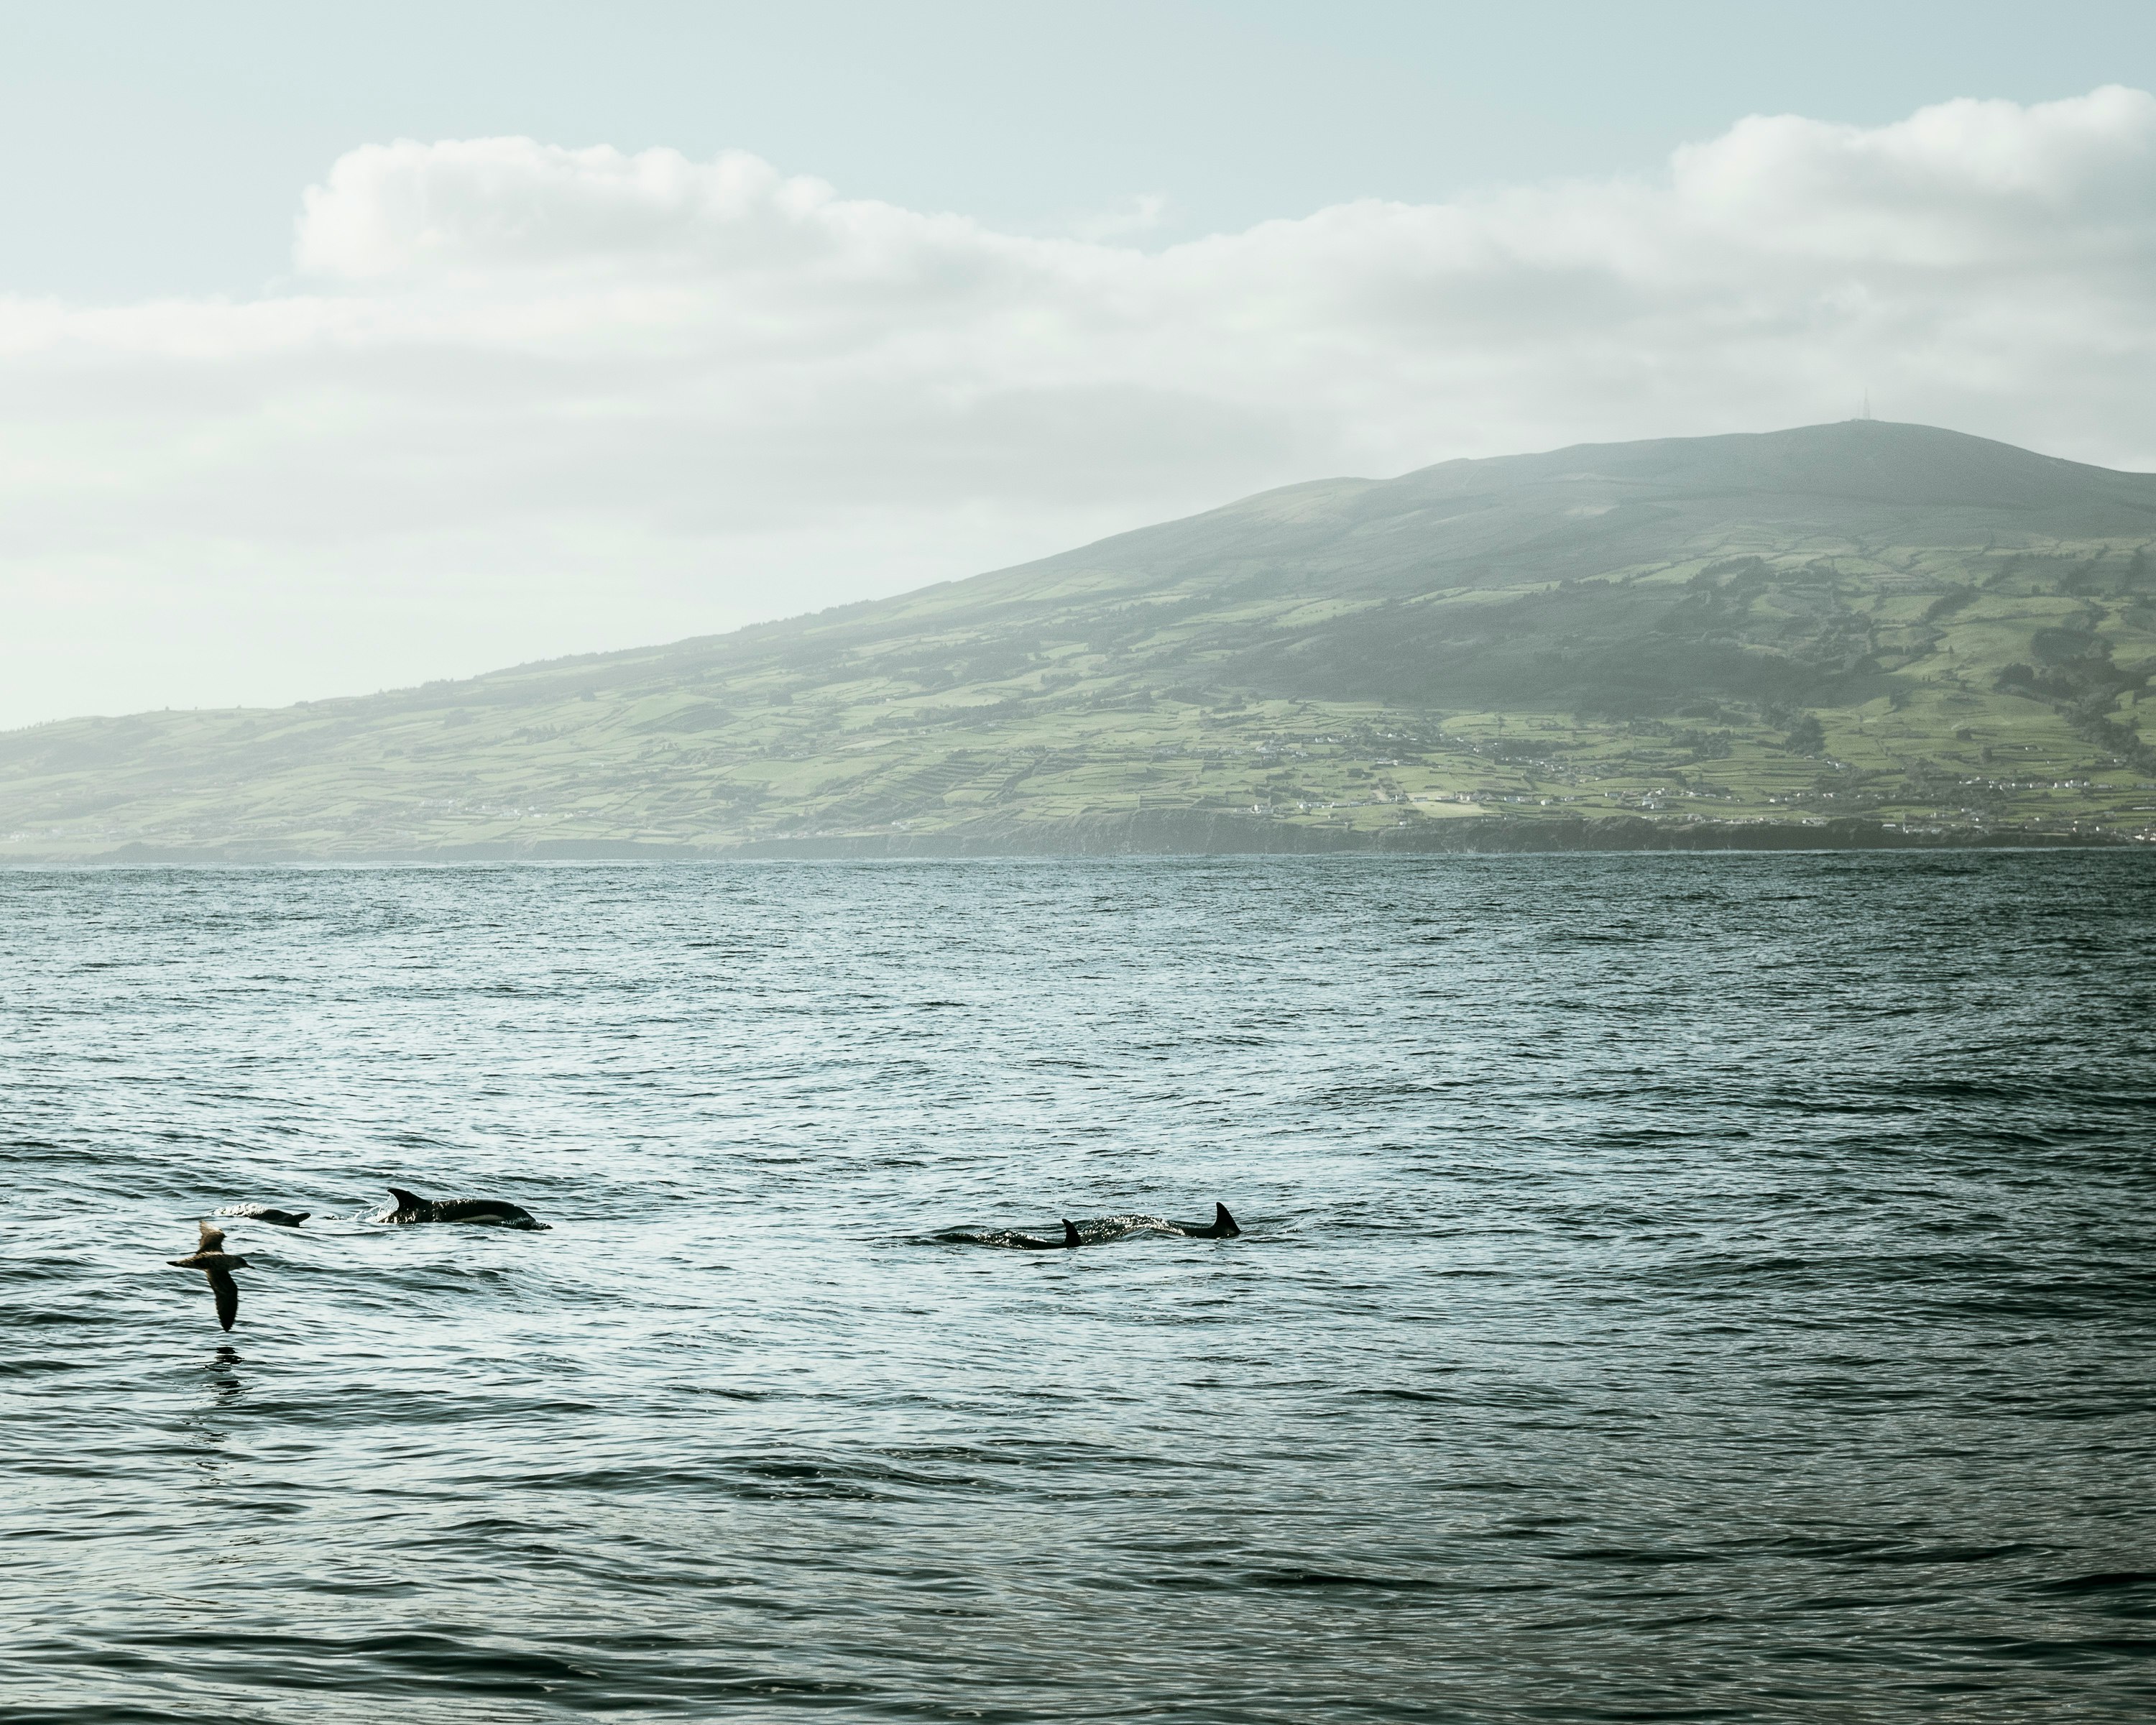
{"x":1034,"y":1243}
{"x":1013,"y":1238}
{"x":1221,"y":1227}
{"x":264,"y":1213}
{"x":480,"y":1211}
{"x":1101,"y":1231}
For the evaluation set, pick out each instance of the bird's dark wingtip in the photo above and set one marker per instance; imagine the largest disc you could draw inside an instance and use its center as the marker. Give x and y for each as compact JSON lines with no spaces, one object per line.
{"x":226,"y":1292}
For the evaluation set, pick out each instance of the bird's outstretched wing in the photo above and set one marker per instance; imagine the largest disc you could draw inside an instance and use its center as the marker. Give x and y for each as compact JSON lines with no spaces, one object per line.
{"x":227,"y":1291}
{"x":213,"y":1239}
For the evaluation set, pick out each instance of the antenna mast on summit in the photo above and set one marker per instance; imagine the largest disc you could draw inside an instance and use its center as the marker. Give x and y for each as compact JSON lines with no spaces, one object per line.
{"x":1866,"y":413}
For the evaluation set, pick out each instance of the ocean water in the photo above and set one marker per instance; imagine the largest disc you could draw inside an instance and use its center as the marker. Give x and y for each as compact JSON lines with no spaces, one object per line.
{"x":1673,"y":1287}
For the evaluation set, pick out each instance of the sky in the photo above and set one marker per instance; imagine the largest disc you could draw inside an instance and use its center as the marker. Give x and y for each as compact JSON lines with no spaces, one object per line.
{"x":345,"y":348}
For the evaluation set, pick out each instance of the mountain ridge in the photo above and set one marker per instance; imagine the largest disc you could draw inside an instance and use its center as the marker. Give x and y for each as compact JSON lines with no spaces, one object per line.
{"x":1862,"y":618}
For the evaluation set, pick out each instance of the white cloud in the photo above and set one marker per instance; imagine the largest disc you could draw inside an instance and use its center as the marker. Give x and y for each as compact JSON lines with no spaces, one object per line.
{"x":519,"y":400}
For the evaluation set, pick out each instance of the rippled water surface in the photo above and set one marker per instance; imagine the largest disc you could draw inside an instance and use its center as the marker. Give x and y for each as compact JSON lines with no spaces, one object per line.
{"x":1671,"y":1288}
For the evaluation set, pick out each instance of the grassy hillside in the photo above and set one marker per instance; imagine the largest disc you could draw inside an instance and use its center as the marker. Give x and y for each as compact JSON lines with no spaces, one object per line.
{"x":1890,"y":621}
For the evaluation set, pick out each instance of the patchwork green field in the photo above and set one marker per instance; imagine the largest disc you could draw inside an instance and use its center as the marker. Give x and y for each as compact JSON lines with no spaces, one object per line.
{"x":1927,"y":630}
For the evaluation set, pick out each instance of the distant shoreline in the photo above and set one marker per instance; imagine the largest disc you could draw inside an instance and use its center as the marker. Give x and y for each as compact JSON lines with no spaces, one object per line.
{"x":1158,"y":834}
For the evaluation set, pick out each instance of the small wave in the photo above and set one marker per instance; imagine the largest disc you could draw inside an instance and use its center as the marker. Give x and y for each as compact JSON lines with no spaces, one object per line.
{"x":2119,"y":1581}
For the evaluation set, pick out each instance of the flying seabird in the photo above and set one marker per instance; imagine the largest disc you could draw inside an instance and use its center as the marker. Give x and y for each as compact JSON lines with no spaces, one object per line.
{"x":210,"y":1257}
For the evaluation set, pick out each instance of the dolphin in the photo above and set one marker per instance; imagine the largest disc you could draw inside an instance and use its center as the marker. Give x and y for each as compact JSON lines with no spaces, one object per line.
{"x":1221,"y":1227}
{"x":263,"y":1212}
{"x":1108,"y":1231}
{"x":1035,"y":1243}
{"x":482,"y":1212}
{"x":1024,"y":1242}
{"x":210,"y":1257}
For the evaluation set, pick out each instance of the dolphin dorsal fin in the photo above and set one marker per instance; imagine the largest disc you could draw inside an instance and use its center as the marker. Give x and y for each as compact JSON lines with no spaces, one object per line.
{"x":404,"y":1198}
{"x":1222,"y":1220}
{"x":1070,"y":1233}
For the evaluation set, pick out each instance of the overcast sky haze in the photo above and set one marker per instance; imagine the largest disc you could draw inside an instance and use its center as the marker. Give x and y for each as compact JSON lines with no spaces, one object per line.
{"x":344,"y":348}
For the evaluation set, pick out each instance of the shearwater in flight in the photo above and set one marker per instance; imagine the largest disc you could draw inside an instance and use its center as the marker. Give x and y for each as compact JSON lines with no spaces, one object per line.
{"x":210,"y":1257}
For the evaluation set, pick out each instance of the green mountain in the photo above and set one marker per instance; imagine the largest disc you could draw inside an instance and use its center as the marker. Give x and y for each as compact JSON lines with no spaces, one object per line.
{"x":1930,"y":631}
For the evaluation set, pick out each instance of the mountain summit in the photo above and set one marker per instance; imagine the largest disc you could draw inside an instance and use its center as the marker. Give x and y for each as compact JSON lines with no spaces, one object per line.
{"x":1930,"y":629}
{"x":1579,"y":511}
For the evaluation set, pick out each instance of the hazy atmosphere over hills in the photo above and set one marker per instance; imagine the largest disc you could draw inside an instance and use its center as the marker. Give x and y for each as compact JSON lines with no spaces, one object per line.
{"x":516,"y":395}
{"x":1943,"y":636}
